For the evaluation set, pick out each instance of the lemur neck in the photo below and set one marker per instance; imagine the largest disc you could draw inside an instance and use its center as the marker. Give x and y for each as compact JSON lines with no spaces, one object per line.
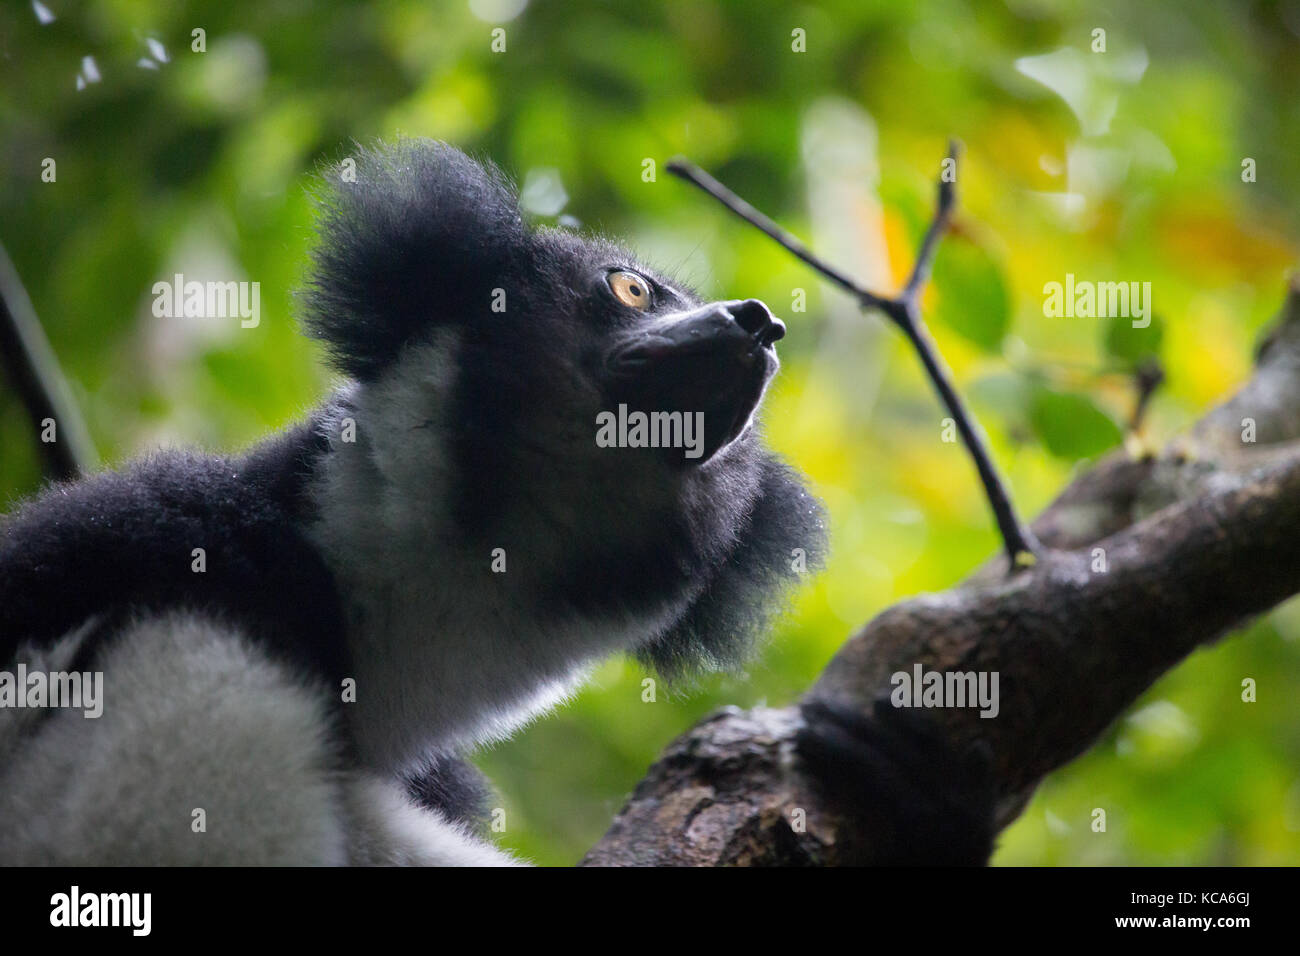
{"x":449,"y":650}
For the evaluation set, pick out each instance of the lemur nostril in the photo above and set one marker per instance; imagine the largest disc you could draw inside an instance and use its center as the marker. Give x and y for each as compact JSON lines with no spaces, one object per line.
{"x":773,"y":333}
{"x":752,"y":316}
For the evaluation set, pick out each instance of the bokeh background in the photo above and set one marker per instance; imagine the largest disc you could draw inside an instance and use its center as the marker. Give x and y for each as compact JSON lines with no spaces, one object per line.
{"x":1122,"y":165}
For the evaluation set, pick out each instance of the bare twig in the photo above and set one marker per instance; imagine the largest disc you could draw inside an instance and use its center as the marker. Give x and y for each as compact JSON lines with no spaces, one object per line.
{"x":904,"y":311}
{"x":693,"y":174}
{"x":1147,"y":377}
{"x":944,"y":204}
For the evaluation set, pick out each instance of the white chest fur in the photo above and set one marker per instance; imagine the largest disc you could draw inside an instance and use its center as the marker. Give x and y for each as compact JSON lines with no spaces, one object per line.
{"x":448,"y":652}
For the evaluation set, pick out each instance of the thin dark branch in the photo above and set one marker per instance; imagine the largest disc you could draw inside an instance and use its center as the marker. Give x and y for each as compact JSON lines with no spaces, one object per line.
{"x":1147,"y":377}
{"x":903,"y":310}
{"x":947,"y":199}
{"x":696,"y":176}
{"x":1019,"y":540}
{"x":32,"y":368}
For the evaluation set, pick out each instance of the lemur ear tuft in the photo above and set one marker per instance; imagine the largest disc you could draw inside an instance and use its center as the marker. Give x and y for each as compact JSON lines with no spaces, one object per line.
{"x":416,"y":235}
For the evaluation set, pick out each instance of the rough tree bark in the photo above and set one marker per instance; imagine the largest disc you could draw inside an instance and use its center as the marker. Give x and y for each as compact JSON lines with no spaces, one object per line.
{"x":1198,"y":538}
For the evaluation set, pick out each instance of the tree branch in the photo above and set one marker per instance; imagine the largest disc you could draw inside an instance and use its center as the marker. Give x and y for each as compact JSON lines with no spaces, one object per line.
{"x":904,"y":311}
{"x":33,"y":370}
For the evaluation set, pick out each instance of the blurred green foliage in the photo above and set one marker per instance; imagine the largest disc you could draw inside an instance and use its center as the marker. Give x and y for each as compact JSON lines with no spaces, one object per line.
{"x":1122,"y":165}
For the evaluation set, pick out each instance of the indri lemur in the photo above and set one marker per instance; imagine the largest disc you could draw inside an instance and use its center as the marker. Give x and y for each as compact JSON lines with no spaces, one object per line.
{"x":444,"y":534}
{"x":432,"y":558}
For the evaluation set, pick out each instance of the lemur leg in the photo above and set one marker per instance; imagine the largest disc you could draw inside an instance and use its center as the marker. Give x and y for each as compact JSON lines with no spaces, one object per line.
{"x":206,"y":752}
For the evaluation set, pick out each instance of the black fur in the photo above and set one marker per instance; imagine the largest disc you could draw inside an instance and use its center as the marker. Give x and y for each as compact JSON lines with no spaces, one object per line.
{"x":457,"y":789}
{"x":121,"y":542}
{"x":736,"y":605}
{"x":424,"y":232}
{"x":929,"y":803}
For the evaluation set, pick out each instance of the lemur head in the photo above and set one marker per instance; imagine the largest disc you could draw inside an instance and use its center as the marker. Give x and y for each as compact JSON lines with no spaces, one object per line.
{"x":532,"y":390}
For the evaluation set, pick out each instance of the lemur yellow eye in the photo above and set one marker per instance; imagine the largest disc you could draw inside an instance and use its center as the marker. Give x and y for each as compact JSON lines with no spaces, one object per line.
{"x":630,"y":289}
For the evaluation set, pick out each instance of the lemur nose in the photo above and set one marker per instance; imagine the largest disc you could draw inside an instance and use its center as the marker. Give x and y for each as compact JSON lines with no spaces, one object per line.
{"x":755,"y":318}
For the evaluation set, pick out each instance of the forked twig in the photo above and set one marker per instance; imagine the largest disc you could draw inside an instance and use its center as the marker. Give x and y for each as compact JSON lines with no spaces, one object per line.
{"x":904,"y":311}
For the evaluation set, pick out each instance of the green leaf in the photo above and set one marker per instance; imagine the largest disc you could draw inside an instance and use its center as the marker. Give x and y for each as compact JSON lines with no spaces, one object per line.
{"x":973,"y":297}
{"x":1070,"y":425}
{"x":1131,"y":345}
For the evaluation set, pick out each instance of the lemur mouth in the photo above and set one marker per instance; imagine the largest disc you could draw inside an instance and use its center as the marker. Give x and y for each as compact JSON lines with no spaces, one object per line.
{"x":712,"y":364}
